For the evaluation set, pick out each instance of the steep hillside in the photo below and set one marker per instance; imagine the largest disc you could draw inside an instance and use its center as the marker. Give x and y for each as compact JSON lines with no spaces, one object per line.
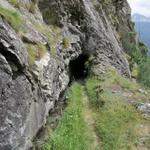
{"x":44,"y":45}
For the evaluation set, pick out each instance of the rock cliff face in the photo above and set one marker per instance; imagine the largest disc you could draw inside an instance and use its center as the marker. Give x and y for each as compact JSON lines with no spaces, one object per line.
{"x":38,"y":39}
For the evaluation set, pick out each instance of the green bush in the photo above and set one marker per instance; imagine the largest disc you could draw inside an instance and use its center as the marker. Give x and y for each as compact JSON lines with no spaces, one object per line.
{"x":136,"y":54}
{"x":144,"y":72}
{"x":139,"y":56}
{"x":140,"y":63}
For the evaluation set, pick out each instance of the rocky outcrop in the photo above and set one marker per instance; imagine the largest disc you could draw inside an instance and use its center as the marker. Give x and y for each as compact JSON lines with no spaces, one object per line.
{"x":92,"y":25}
{"x":34,"y":68}
{"x":144,"y":108}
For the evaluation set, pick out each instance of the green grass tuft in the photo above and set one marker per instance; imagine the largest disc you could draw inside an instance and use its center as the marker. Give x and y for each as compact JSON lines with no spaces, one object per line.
{"x":35,"y":52}
{"x":65,"y":42}
{"x":13,"y":18}
{"x":52,"y":33}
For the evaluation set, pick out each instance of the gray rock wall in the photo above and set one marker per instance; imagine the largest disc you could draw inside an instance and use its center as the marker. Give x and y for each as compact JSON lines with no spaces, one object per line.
{"x":28,"y":93}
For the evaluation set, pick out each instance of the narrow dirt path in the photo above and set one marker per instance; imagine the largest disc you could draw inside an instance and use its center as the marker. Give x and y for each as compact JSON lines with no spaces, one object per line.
{"x":145,"y":133}
{"x":88,"y":115}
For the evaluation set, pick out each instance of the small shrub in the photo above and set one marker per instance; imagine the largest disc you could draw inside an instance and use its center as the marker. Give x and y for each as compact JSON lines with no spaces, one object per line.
{"x":136,"y":54}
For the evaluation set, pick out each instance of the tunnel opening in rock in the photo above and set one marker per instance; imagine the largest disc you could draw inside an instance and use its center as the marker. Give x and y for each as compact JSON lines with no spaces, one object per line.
{"x":78,"y":67}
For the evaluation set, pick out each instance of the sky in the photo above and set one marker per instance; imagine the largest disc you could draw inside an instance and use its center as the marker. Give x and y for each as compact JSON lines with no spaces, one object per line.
{"x":140,"y":7}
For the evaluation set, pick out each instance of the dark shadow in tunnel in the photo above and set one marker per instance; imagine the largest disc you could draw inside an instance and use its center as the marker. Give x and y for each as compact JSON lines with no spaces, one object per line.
{"x":78,"y":68}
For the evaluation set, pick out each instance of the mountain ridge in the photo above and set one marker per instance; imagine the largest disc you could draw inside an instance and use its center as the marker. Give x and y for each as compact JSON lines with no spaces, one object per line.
{"x":142,"y":26}
{"x":140,"y":18}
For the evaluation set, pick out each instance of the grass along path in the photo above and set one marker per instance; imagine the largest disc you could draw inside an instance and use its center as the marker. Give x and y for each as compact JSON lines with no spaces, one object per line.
{"x":75,"y":130}
{"x":88,"y":116}
{"x":118,"y":124}
{"x":102,"y":117}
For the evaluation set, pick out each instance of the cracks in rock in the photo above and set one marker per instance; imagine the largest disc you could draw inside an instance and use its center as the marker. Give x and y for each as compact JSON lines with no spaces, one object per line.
{"x":13,"y":62}
{"x":53,"y":118}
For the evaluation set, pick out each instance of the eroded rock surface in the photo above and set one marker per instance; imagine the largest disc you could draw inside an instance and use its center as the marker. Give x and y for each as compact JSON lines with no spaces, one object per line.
{"x":28,"y":92}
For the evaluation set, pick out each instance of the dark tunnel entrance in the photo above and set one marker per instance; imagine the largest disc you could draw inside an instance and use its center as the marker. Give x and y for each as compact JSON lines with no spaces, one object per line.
{"x":78,"y":68}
